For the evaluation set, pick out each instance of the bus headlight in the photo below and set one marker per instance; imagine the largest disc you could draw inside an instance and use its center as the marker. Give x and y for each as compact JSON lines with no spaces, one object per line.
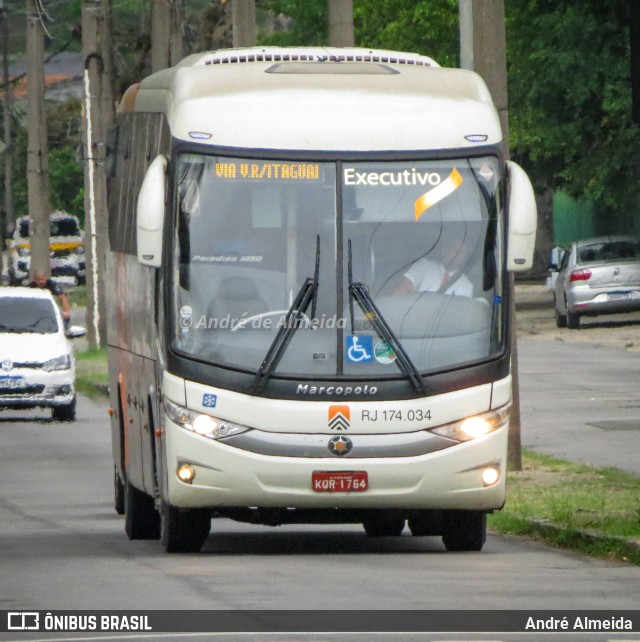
{"x":202,"y":424}
{"x":475,"y":426}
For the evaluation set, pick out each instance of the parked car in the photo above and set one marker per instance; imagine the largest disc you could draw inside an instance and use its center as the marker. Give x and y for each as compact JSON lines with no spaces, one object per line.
{"x":37,"y":367}
{"x":66,"y":250}
{"x":597,"y":276}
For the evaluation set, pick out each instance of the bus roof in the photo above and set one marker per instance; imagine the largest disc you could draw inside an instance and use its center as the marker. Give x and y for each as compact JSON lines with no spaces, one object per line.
{"x":320,"y":99}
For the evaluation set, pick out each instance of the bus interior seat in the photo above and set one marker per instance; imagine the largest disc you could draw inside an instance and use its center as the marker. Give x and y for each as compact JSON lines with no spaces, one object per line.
{"x":237,"y":297}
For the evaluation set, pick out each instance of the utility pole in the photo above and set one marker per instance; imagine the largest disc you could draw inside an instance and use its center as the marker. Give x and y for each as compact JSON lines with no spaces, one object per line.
{"x":98,"y":107}
{"x":37,"y":146}
{"x":243,"y":14}
{"x":7,"y":223}
{"x":634,"y":44}
{"x":341,"y":23}
{"x":166,"y":33}
{"x":483,"y":49}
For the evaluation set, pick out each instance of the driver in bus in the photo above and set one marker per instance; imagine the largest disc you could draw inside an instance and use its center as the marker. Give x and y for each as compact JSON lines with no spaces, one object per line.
{"x":446,"y":275}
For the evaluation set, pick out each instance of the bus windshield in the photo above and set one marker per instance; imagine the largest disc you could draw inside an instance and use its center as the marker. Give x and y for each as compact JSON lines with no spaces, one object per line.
{"x":422,"y":239}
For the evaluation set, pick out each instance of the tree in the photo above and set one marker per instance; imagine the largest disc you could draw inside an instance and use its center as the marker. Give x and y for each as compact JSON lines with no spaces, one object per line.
{"x":308,"y":26}
{"x":570,"y":99}
{"x":428,"y":28}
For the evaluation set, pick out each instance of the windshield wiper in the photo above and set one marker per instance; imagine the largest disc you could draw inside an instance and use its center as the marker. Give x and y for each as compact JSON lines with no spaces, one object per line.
{"x":308,"y":294}
{"x":360,"y":293}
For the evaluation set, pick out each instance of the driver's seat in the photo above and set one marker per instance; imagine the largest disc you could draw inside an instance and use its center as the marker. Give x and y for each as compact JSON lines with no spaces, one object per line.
{"x":237,"y":297}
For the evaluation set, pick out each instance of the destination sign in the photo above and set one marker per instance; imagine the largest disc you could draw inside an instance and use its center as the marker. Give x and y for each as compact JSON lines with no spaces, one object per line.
{"x":268,"y":171}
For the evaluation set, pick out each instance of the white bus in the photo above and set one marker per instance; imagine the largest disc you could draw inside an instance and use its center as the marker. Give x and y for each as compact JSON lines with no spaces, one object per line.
{"x":309,"y":302}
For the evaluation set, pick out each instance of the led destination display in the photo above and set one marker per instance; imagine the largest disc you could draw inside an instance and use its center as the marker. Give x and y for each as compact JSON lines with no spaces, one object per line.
{"x":268,"y":171}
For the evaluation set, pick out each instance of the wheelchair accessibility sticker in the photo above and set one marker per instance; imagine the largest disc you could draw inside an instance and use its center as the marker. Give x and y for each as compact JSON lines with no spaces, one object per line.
{"x":359,"y":349}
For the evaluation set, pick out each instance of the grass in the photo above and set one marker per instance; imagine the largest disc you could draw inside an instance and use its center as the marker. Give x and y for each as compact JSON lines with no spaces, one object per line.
{"x":92,"y":378}
{"x":595,"y":511}
{"x":592,"y":510}
{"x":77,"y":296}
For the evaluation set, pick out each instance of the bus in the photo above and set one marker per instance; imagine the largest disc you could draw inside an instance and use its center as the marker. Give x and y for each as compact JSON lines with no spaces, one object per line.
{"x":309,"y":303}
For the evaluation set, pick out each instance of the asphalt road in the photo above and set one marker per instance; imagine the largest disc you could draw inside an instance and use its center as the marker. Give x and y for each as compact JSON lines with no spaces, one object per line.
{"x":579,"y":389}
{"x":63,"y":547}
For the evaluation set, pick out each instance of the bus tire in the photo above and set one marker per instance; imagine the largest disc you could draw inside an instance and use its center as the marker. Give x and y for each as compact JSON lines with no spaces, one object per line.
{"x":464,"y":530}
{"x":183,"y":531}
{"x":118,"y":492}
{"x":141,"y":519}
{"x":384,"y":526}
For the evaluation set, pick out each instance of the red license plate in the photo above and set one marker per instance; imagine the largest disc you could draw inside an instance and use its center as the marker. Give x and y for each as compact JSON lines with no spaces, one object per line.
{"x":344,"y":481}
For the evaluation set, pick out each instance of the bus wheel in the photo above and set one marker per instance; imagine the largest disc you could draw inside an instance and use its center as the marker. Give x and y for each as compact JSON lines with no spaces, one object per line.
{"x":464,"y":530}
{"x":384,"y":526}
{"x":141,"y":519}
{"x":118,"y":492}
{"x":183,"y":531}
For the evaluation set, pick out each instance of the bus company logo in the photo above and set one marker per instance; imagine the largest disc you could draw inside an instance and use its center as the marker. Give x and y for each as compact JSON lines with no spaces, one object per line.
{"x":23,"y":621}
{"x":340,"y":445}
{"x":435,"y":195}
{"x":339,"y":417}
{"x":338,"y":391}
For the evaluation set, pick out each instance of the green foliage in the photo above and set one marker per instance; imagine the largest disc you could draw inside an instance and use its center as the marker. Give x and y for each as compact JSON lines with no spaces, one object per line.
{"x":428,"y":28}
{"x":66,"y":181}
{"x":92,"y":377}
{"x":309,"y":26}
{"x":66,"y":174}
{"x":570,"y":99}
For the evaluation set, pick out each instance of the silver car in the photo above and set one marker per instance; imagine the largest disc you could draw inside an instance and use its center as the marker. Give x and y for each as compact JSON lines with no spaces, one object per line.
{"x":597,"y":276}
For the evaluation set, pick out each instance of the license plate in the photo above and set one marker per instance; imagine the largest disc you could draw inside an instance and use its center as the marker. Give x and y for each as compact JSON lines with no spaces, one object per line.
{"x":618,"y":296}
{"x":344,"y":481}
{"x":11,"y":382}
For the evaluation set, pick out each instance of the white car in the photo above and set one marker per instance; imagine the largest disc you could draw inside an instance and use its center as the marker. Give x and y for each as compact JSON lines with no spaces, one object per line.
{"x":37,"y":367}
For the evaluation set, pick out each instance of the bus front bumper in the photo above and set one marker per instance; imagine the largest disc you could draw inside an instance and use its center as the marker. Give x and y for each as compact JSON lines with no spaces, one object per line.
{"x":226,"y":476}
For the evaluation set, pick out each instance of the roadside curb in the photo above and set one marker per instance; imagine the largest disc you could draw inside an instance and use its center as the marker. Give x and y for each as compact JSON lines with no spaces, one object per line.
{"x":574,"y":537}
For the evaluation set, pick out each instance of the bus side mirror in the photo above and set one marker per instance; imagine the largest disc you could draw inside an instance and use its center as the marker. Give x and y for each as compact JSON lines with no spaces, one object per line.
{"x":150,"y":213}
{"x":523,"y":220}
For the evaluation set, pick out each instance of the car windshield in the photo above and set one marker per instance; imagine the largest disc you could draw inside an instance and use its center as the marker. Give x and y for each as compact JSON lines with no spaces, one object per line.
{"x":64,"y":227}
{"x":59,"y":227}
{"x":20,"y":314}
{"x":419,"y":240}
{"x":609,"y":250}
